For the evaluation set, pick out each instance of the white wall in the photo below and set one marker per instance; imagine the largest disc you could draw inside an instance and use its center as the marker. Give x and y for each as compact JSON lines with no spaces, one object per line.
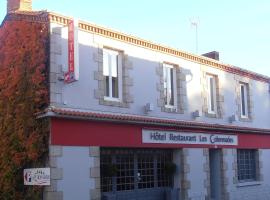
{"x":76,"y":182}
{"x":80,"y":94}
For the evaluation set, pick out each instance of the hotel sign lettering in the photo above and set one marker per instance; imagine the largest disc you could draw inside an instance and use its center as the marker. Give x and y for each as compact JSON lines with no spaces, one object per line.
{"x":73,"y":52}
{"x":173,"y":137}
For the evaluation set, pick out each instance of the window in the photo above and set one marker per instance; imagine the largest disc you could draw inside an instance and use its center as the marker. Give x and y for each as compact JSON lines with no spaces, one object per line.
{"x":244,"y":101}
{"x":169,"y":76}
{"x":135,"y":168}
{"x":211,"y":94}
{"x":111,"y":72}
{"x":246,"y":165}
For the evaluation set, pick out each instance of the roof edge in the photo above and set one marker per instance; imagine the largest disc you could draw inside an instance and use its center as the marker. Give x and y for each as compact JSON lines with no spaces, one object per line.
{"x":116,"y":35}
{"x":67,"y":113}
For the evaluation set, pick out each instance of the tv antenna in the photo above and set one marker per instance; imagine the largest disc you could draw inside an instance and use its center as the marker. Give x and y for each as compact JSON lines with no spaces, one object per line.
{"x":194,"y":22}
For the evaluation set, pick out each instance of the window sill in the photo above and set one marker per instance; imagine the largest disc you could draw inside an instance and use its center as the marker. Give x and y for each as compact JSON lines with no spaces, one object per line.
{"x":249,"y":183}
{"x":211,"y":115}
{"x":245,"y":119}
{"x":170,"y":109}
{"x":112,"y":99}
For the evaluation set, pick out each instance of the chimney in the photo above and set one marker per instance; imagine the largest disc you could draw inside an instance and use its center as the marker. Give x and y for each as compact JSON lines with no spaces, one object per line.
{"x":22,"y":5}
{"x":212,"y":54}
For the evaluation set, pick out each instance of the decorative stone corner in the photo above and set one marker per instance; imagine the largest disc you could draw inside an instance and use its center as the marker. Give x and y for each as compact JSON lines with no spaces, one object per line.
{"x":95,"y":194}
{"x":248,"y":82}
{"x":219,"y":95}
{"x":259,"y":165}
{"x":56,"y":173}
{"x":53,"y":196}
{"x":94,"y":154}
{"x":224,"y":178}
{"x":234,"y":166}
{"x":181,"y":92}
{"x":185,"y":183}
{"x":51,"y":192}
{"x":127,"y":81}
{"x":55,"y":68}
{"x":206,"y":169}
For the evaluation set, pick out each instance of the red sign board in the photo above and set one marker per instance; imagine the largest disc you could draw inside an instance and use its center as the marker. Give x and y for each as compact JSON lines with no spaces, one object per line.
{"x":69,"y":76}
{"x":89,"y":133}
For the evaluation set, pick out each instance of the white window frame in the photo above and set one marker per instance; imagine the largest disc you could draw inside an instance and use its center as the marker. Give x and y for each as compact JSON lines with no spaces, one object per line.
{"x":174,"y":88}
{"x":244,"y":88}
{"x":119,"y":74}
{"x":211,"y":98}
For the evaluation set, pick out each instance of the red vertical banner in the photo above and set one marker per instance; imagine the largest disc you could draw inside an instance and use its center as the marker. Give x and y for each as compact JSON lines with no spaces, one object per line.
{"x":70,"y":76}
{"x":71,"y":46}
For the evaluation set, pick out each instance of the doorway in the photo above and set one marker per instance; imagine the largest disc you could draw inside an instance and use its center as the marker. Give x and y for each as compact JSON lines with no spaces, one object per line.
{"x":215,"y":162}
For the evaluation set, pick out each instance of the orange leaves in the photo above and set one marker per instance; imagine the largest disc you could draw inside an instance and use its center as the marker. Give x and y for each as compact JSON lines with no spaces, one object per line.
{"x":23,"y":92}
{"x":18,"y":158}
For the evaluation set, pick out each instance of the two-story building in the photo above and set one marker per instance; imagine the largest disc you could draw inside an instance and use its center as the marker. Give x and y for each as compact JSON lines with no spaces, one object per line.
{"x":131,"y":119}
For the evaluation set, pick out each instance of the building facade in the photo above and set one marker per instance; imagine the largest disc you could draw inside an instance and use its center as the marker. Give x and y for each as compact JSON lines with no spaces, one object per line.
{"x":131,"y":119}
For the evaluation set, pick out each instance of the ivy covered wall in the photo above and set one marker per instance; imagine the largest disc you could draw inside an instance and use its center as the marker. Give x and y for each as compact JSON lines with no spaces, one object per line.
{"x":23,"y":93}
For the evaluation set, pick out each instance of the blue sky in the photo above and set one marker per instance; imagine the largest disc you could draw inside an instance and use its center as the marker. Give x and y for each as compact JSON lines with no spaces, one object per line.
{"x":238,"y":29}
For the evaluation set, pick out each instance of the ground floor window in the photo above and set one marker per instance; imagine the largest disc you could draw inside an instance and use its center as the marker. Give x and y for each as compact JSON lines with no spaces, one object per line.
{"x":247,"y":164}
{"x":129,"y":169}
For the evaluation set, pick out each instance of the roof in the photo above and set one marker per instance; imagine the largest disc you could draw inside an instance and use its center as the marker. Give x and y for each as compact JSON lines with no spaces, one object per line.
{"x":106,"y":32}
{"x":44,"y":16}
{"x":77,"y":114}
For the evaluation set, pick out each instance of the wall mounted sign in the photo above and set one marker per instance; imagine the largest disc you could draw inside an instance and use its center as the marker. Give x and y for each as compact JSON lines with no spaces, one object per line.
{"x":36,"y":176}
{"x":73,"y":55}
{"x":173,"y":137}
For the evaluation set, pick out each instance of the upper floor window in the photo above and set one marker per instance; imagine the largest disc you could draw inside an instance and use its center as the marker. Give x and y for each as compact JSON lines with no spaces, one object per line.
{"x":111,"y":72}
{"x":244,"y":99}
{"x":211,"y":93}
{"x":169,"y":77}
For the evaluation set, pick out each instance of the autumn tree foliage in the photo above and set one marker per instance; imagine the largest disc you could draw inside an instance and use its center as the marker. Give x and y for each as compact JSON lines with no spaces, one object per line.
{"x":23,"y":93}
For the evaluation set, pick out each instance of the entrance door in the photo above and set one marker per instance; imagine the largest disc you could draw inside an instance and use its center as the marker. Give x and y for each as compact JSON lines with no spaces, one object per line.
{"x":215,"y":159}
{"x":135,"y":174}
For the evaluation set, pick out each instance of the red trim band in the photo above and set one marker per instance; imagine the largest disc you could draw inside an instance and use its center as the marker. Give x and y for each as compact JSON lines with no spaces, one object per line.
{"x":89,"y":133}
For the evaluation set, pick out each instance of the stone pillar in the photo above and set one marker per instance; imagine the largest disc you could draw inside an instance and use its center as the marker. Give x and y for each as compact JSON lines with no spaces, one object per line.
{"x":51,"y":192}
{"x":94,"y":153}
{"x":185,"y":183}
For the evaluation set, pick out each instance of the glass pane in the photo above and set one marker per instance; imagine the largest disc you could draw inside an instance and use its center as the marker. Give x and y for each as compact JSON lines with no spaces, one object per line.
{"x":243,"y":101}
{"x":105,"y":63}
{"x":107,"y":86}
{"x":106,"y":178}
{"x":125,"y":173}
{"x":114,"y":64}
{"x":145,"y":170}
{"x":171,"y":89}
{"x":168,"y":85}
{"x":212,"y":98}
{"x":165,"y":85}
{"x":163,"y":160}
{"x":115,"y":93}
